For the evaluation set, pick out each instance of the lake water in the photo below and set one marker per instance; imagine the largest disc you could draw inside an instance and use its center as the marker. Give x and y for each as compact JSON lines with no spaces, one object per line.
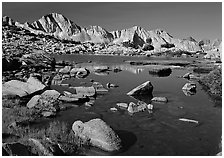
{"x":158,"y":133}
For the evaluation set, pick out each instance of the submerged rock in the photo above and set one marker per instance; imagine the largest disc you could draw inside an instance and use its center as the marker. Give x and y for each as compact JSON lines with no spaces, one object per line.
{"x":98,"y":133}
{"x":144,"y":89}
{"x":160,"y":99}
{"x":160,"y":72}
{"x":113,"y":109}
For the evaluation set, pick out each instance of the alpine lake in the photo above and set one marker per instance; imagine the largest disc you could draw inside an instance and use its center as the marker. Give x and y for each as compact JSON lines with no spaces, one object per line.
{"x":159,"y":132}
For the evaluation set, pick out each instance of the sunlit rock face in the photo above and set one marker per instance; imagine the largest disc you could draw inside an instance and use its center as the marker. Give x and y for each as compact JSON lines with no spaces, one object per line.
{"x":56,"y":24}
{"x":157,"y":38}
{"x":59,"y":26}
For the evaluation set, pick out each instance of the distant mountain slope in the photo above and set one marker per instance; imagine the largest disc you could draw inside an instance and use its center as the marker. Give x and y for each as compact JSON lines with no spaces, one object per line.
{"x":61,"y":27}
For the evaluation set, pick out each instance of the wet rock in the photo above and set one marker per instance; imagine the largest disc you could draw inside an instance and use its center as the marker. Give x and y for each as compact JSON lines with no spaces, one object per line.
{"x":160,"y":99}
{"x":16,"y":149}
{"x":122,"y":105}
{"x":85,"y":91}
{"x":150,"y":106}
{"x":98,"y":133}
{"x":111,"y":85}
{"x":141,"y":106}
{"x":65,"y":70}
{"x":143,"y":89}
{"x":101,"y":68}
{"x":133,"y":108}
{"x":41,"y":148}
{"x":79,"y":72}
{"x":191,"y":86}
{"x":15,"y":87}
{"x":99,"y":87}
{"x":160,"y":71}
{"x":113,"y":109}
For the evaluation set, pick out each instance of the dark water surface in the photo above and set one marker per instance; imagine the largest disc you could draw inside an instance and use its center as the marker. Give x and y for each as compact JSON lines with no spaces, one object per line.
{"x":159,"y":133}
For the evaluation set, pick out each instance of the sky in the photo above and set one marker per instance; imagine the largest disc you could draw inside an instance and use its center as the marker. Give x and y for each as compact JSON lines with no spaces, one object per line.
{"x":201,"y":20}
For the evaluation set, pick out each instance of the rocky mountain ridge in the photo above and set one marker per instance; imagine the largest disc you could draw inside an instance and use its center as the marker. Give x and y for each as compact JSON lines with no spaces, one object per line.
{"x":60,"y":27}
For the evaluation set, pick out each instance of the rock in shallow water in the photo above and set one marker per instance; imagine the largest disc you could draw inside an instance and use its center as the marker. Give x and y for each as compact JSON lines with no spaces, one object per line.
{"x":143,"y":89}
{"x":160,"y":99}
{"x":191,"y":86}
{"x":98,"y":133}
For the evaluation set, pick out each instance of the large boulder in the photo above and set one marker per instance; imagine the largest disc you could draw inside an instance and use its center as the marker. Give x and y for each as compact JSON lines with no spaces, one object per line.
{"x":15,"y":87}
{"x":98,"y":133}
{"x":143,"y":89}
{"x":47,"y":103}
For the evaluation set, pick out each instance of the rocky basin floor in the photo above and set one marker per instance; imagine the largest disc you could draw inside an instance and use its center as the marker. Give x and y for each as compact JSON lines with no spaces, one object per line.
{"x":33,"y":95}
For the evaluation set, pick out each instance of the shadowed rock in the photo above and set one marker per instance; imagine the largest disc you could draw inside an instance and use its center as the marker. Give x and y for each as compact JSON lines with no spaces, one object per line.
{"x":143,"y":89}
